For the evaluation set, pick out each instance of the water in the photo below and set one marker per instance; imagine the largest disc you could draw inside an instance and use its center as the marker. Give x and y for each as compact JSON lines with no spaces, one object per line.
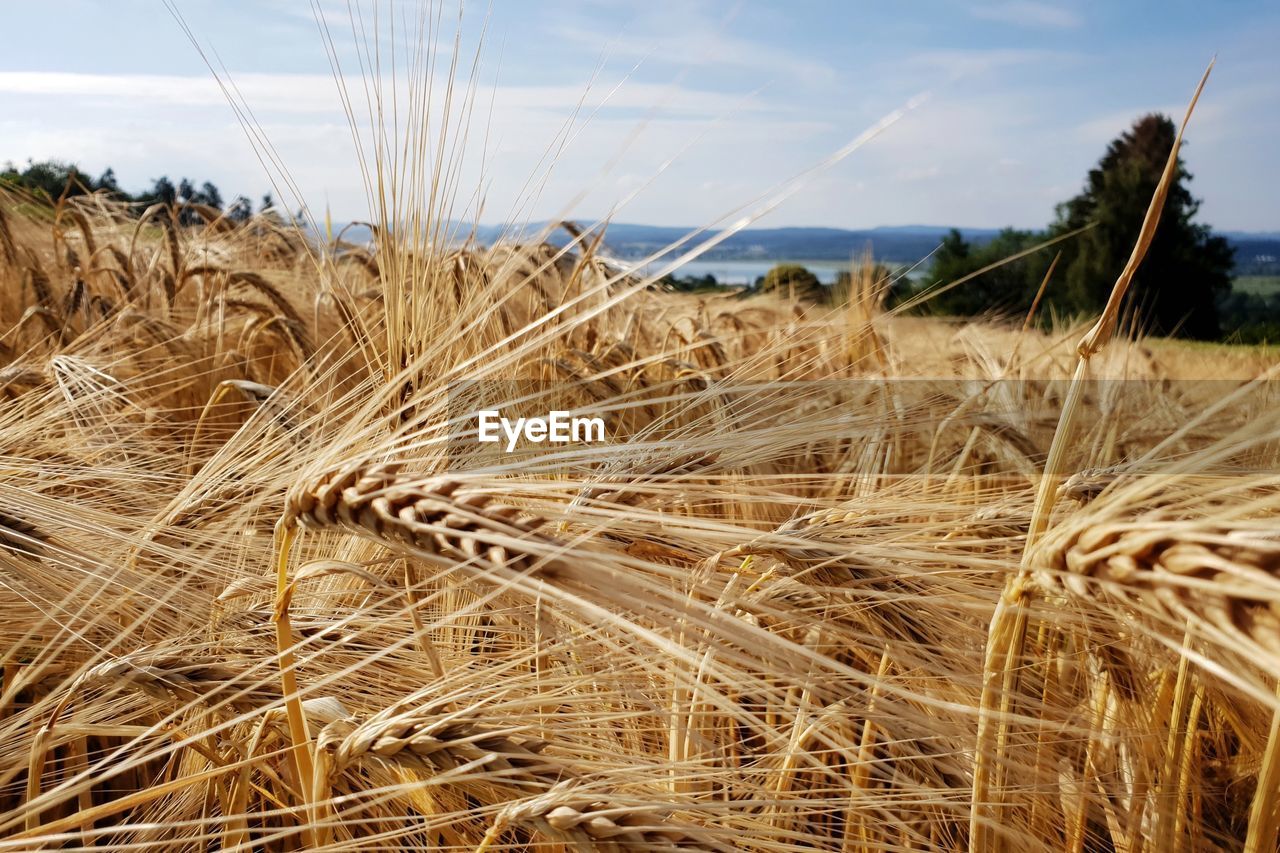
{"x":746,"y":272}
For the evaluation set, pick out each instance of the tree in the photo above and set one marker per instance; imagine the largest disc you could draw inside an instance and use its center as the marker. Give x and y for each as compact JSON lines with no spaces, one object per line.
{"x":53,"y":179}
{"x":209,"y":195}
{"x":50,"y":178}
{"x":162,"y":192}
{"x":1186,"y":268}
{"x":792,"y":280}
{"x":691,"y":283}
{"x":107,"y":182}
{"x":1007,"y":289}
{"x":241,"y":209}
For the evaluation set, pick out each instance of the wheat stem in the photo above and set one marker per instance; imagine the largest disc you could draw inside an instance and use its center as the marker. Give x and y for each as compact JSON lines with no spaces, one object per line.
{"x":300,"y":753}
{"x":1266,"y":797}
{"x":1005,"y":642}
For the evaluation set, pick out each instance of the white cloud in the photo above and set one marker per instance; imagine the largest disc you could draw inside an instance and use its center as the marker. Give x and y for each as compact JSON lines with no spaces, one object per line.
{"x":285,"y":92}
{"x":145,"y":125}
{"x":1024,"y":13}
{"x":919,"y":173}
{"x":706,"y":49}
{"x":689,"y":34}
{"x":315,"y":93}
{"x":1010,"y":128}
{"x":961,"y":63}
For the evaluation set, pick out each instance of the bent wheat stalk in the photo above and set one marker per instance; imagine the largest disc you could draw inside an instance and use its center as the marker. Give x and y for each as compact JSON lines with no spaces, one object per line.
{"x":589,"y":823}
{"x":1226,"y":575}
{"x":400,"y":509}
{"x":433,"y":740}
{"x":300,"y":752}
{"x":1007,"y":633}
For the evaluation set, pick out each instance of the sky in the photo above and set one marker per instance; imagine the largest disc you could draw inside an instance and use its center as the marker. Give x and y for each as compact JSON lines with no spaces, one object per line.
{"x":669,"y":112}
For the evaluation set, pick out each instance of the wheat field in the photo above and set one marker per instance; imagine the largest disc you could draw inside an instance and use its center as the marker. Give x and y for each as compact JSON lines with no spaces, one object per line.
{"x":840,"y":578}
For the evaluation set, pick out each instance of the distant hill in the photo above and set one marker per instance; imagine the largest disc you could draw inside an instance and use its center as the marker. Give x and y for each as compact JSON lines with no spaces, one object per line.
{"x":902,"y":243}
{"x":1256,"y":253}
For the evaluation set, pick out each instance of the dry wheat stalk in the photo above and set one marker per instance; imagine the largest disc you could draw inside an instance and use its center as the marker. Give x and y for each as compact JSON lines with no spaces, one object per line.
{"x":1007,"y":633}
{"x":432,"y":515}
{"x":8,"y":248}
{"x":21,"y":536}
{"x":1086,"y":485}
{"x":590,"y":823}
{"x":627,"y":489}
{"x":183,"y":678}
{"x":82,"y":222}
{"x":432,"y":740}
{"x":1225,"y":573}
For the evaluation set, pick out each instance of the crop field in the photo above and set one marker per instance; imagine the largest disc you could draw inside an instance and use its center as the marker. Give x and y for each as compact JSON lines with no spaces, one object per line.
{"x":1258,"y":285}
{"x":260,"y":591}
{"x":830,"y":575}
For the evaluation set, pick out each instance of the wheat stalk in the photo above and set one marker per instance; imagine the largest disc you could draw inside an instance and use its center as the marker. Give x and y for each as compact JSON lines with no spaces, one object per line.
{"x":591,"y":823}
{"x":433,"y":516}
{"x":1007,"y":632}
{"x":1224,"y":573}
{"x":180,"y":678}
{"x":433,"y":740}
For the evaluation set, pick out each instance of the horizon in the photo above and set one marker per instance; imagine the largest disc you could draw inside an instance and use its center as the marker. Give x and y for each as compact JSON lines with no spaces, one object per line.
{"x":920,"y":226}
{"x":696,"y":109}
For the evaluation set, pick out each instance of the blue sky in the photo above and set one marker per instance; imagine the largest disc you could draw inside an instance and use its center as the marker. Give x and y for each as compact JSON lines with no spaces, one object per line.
{"x":691,"y":109}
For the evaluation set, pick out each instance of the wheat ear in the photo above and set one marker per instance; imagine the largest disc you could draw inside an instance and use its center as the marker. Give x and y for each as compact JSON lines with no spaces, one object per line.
{"x":434,"y":740}
{"x":1197,"y":571}
{"x":428,"y":515}
{"x":590,"y":823}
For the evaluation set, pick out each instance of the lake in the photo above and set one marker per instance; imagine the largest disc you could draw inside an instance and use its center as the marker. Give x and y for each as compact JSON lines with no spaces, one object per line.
{"x":746,"y":272}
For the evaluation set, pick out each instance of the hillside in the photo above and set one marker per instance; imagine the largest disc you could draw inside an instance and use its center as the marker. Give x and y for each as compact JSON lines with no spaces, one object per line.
{"x":1256,"y":253}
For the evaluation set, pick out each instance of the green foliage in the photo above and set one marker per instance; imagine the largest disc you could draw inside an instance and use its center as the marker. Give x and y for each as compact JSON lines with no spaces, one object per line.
{"x":162,"y":192}
{"x":1185,"y":270}
{"x":692,"y":283}
{"x":793,"y":281}
{"x":1262,"y":285}
{"x":240,"y":210}
{"x":1007,"y":289}
{"x":1250,"y":317}
{"x":54,"y":179}
{"x":1176,"y":291}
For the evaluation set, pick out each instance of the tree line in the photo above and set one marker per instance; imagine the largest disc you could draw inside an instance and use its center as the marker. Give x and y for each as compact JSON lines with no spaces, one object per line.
{"x":54,"y":179}
{"x":1183,"y":287}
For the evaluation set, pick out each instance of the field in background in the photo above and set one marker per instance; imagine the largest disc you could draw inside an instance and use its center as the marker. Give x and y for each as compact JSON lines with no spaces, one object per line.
{"x":1259,"y":285}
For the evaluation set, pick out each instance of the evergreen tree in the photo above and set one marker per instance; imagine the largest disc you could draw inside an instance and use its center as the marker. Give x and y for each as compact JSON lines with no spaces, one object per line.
{"x":209,"y":195}
{"x":107,"y":182}
{"x":1185,"y":269}
{"x":162,"y":192}
{"x":241,"y":209}
{"x":49,"y":178}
